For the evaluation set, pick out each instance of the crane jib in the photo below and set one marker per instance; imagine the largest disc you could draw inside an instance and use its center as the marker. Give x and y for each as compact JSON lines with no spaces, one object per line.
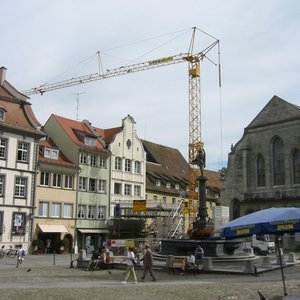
{"x":161,"y":60}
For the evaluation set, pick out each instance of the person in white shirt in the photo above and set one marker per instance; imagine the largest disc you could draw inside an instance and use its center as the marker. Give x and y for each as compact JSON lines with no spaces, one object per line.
{"x":189,"y":262}
{"x":20,"y":256}
{"x":131,"y":261}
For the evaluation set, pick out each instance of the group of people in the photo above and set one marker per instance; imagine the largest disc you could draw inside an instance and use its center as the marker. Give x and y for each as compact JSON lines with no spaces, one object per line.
{"x":193,"y":260}
{"x":147,"y":259}
{"x":98,"y":259}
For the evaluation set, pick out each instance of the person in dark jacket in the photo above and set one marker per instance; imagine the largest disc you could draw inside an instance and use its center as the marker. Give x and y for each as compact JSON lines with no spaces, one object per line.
{"x":148,"y":262}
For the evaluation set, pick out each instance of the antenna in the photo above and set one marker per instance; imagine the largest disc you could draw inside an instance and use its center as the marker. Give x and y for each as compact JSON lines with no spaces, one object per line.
{"x":77,"y":104}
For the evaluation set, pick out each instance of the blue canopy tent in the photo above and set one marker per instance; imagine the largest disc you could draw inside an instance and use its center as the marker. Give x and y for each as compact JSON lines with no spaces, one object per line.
{"x":277,"y":221}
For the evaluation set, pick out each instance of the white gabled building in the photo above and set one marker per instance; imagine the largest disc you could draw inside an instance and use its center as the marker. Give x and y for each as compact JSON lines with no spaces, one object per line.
{"x":19,"y":136}
{"x":128,"y":168}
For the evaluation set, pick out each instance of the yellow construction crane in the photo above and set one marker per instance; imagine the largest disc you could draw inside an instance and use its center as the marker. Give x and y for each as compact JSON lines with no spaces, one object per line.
{"x":195,"y":138}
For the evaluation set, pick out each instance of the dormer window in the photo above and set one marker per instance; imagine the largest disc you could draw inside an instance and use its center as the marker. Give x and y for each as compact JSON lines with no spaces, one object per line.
{"x":168,"y":184}
{"x":2,"y":114}
{"x":51,"y":153}
{"x":176,"y":186}
{"x":89,"y":141}
{"x":158,"y":182}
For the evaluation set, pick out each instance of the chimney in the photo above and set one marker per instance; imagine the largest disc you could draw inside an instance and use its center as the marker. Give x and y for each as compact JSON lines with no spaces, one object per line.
{"x":2,"y":75}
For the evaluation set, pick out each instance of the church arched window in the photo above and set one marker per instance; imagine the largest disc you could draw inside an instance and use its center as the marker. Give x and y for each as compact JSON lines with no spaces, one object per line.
{"x":260,"y":171}
{"x":278,"y":162}
{"x":296,"y":166}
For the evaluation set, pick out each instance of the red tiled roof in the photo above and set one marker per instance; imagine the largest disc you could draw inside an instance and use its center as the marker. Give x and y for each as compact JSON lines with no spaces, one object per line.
{"x":18,"y":113}
{"x":61,"y":161}
{"x":109,"y":134}
{"x":72,"y":127}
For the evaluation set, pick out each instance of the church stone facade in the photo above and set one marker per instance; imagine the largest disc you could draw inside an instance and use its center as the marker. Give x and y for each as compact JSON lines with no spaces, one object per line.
{"x":264,"y":165}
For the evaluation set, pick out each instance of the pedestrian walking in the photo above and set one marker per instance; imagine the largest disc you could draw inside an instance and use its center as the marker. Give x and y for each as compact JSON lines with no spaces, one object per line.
{"x":130,"y":260}
{"x":20,"y":256}
{"x":148,"y":263}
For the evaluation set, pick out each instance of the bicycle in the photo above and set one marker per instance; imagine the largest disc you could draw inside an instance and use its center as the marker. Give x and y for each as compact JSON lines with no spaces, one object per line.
{"x":11,"y":253}
{"x":2,"y":252}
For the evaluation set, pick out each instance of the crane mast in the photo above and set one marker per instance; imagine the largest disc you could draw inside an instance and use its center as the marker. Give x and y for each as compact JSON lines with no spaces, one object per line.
{"x":195,"y":138}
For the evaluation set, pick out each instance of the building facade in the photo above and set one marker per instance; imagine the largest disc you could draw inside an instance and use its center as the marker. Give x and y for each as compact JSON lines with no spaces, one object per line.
{"x":19,"y":136}
{"x":264,"y":166}
{"x":56,"y":199}
{"x":81,"y":145}
{"x":167,"y":186}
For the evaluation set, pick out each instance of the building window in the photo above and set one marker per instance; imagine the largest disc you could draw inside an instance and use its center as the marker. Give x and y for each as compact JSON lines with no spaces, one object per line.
{"x":2,"y":114}
{"x":127,"y":165}
{"x":82,"y":183}
{"x":260,"y":169}
{"x":176,"y":186}
{"x":68,"y":211}
{"x":19,"y":223}
{"x":127,"y":189}
{"x":93,"y":160}
{"x":137,"y":190}
{"x":3,"y":147}
{"x":83,"y":158}
{"x":92,"y":184}
{"x":296,"y":167}
{"x":45,"y":178}
{"x":81,"y":211}
{"x":92,"y":212}
{"x":90,"y":141}
{"x":69,"y":181}
{"x":102,"y":162}
{"x":102,"y":186}
{"x":118,"y":163}
{"x":157,"y":182}
{"x":55,"y":210}
{"x":168,"y":184}
{"x":137,"y":167}
{"x":1,"y":221}
{"x":56,"y":180}
{"x":43,"y":209}
{"x":101,"y":212}
{"x":278,"y":162}
{"x":51,"y":153}
{"x":117,"y":188}
{"x":23,"y":149}
{"x":20,"y":187}
{"x":2,"y":185}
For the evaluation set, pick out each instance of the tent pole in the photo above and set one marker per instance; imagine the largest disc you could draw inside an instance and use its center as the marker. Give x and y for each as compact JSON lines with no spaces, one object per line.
{"x":281,"y":266}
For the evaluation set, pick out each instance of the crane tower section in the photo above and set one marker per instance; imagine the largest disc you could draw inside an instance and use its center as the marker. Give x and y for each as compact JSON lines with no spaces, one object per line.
{"x":195,"y":138}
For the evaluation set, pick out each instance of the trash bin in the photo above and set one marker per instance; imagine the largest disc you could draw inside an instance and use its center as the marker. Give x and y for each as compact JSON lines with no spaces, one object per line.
{"x":82,"y":254}
{"x":170,"y":260}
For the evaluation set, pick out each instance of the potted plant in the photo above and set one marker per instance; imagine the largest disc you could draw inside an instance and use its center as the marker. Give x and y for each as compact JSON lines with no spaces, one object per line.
{"x":37,"y":245}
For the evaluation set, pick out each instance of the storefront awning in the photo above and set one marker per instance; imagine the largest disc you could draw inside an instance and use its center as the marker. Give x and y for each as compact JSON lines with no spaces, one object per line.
{"x":87,"y":230}
{"x":52,"y":228}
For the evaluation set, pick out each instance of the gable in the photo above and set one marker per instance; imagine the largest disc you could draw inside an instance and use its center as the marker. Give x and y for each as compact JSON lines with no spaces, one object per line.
{"x":276,"y":111}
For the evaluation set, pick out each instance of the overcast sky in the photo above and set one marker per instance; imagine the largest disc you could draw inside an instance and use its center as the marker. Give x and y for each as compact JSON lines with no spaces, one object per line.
{"x":49,"y":41}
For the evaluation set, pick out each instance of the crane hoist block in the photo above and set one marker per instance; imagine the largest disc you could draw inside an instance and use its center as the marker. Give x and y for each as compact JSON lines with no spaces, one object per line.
{"x":195,"y":71}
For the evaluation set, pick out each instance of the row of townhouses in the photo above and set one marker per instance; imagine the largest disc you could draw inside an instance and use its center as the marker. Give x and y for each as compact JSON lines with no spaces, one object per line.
{"x":71,"y":184}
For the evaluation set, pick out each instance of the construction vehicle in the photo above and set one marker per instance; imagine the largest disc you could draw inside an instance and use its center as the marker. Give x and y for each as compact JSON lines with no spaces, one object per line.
{"x":193,"y":60}
{"x":261,"y":244}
